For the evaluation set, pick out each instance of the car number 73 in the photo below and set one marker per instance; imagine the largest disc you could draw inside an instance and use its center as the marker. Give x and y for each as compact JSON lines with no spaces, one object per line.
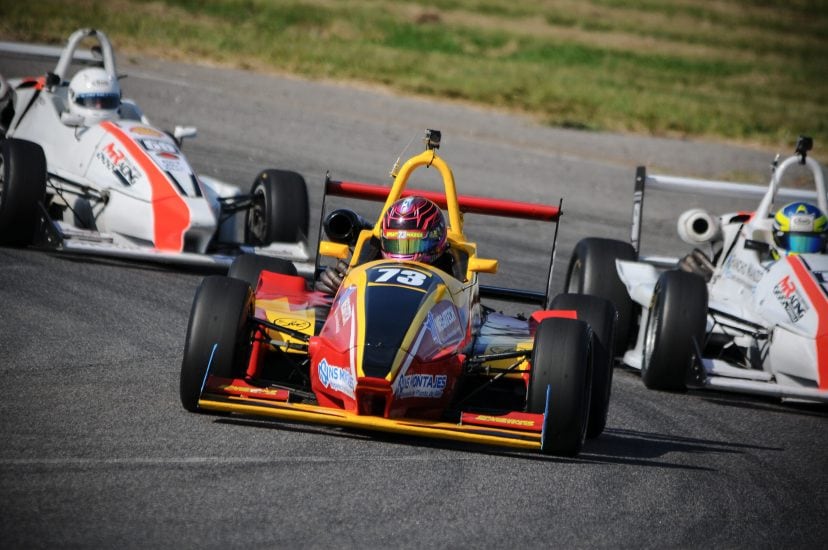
{"x":401,"y":276}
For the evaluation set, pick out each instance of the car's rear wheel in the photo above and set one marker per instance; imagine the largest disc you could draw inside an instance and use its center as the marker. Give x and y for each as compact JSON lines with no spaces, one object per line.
{"x":677,"y":319}
{"x":279,"y":211}
{"x":560,"y":383}
{"x":218,"y":336}
{"x":599,"y":314}
{"x":247,"y":267}
{"x":592,"y":271}
{"x":22,"y":185}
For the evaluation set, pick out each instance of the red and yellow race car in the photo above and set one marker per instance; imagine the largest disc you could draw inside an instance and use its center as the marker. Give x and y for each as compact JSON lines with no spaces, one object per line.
{"x":403,"y":346}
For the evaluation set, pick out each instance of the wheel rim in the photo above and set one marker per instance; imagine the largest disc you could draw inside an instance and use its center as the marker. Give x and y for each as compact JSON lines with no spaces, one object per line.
{"x":653,"y":320}
{"x":257,"y":217}
{"x":573,"y":286}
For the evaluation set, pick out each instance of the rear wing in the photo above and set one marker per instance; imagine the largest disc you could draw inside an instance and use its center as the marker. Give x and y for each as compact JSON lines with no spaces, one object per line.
{"x":465,"y":204}
{"x":765,"y":194}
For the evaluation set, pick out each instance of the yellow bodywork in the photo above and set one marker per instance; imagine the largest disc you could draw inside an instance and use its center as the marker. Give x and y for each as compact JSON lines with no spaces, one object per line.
{"x":334,"y":417}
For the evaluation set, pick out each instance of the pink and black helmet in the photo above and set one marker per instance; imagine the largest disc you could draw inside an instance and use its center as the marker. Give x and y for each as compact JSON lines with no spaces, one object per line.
{"x":413,"y":228}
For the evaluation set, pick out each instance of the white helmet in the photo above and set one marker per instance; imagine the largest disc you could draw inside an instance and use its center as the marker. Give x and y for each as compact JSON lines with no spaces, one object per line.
{"x":95,"y":95}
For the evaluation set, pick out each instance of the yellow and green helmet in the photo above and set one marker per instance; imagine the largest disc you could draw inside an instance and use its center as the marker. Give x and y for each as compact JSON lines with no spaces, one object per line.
{"x":800,"y":227}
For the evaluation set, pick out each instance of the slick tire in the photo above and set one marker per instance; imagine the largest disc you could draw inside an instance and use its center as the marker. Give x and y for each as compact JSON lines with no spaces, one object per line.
{"x":247,"y":267}
{"x":218,"y":336}
{"x":22,"y":186}
{"x":279,"y":210}
{"x":562,"y":370}
{"x":600,"y":315}
{"x":677,"y":318}
{"x":592,"y":271}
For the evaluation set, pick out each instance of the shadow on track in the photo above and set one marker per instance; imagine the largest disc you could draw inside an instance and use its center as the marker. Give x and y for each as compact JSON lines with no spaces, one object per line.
{"x":614,"y":446}
{"x":640,"y":448}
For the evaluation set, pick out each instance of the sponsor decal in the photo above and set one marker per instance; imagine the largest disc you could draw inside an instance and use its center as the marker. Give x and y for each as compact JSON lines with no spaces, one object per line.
{"x":421,"y":385}
{"x":789,"y":296}
{"x":736,"y":268}
{"x":158,"y":146}
{"x":116,"y":162}
{"x":502,"y":420}
{"x":291,"y":323}
{"x":443,"y":326}
{"x":336,"y":378}
{"x":169,"y":162}
{"x":255,"y":391}
{"x":144,"y":131}
{"x":404,"y":234}
{"x":345,"y":309}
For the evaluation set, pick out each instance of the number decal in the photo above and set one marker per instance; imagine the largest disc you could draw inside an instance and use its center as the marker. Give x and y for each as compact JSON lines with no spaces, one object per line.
{"x":387,"y":273}
{"x":402,"y":276}
{"x":410,"y":277}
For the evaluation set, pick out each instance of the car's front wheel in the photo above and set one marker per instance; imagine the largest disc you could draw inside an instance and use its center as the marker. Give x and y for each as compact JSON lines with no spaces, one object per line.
{"x":279,"y":211}
{"x":592,"y":271}
{"x":600,"y":315}
{"x":22,"y":186}
{"x":218,"y":336}
{"x":675,"y":327}
{"x":560,"y":383}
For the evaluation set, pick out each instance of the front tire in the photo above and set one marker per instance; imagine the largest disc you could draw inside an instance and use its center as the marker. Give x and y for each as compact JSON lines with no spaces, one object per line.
{"x":22,"y":186}
{"x":280,"y":211}
{"x":677,"y":318}
{"x":218,"y":336}
{"x":600,"y":315}
{"x":592,"y":271}
{"x":560,"y":383}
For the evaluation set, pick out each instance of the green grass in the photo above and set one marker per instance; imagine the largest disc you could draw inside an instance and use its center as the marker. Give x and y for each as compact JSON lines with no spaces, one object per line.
{"x":752,"y":71}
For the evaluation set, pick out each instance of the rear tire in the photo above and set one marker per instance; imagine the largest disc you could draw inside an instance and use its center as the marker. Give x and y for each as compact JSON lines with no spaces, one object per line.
{"x":592,"y":271}
{"x":247,"y":267}
{"x":677,"y":317}
{"x":600,"y":315}
{"x":22,"y":186}
{"x":561,"y":366}
{"x":218,"y":336}
{"x":280,"y":210}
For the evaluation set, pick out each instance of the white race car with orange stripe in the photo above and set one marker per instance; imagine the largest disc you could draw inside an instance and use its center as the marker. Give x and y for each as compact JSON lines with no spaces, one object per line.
{"x":122,"y":187}
{"x":755,"y":321}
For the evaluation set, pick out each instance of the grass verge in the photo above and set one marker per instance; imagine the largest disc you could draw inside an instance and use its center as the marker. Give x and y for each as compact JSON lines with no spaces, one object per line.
{"x":738,"y":70}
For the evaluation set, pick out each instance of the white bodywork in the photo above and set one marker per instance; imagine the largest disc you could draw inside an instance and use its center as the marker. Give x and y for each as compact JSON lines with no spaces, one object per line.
{"x":123,"y":187}
{"x":774,"y":311}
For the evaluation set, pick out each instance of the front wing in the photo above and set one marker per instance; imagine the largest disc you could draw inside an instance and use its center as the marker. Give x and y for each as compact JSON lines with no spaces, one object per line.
{"x":61,"y":237}
{"x":516,"y":430}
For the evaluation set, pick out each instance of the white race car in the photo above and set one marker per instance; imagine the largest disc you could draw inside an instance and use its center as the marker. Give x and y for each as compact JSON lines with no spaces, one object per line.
{"x":749,"y":318}
{"x":83,"y":170}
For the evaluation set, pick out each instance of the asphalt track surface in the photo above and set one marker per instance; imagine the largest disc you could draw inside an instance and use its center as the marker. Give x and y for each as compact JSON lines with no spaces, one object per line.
{"x":97,"y":451}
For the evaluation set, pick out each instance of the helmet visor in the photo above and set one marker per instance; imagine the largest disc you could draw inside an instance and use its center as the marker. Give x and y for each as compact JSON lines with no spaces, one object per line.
{"x":408,"y":243}
{"x":803,"y":243}
{"x":98,"y":101}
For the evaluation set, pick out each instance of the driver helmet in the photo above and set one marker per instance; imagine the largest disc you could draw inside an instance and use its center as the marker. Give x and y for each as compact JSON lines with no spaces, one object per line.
{"x":800,"y":227}
{"x":413,"y":228}
{"x":95,"y":95}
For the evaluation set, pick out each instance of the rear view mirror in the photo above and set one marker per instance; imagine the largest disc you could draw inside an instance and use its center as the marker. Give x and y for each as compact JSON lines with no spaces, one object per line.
{"x":181,"y":132}
{"x":334,"y":250}
{"x":482,"y":265}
